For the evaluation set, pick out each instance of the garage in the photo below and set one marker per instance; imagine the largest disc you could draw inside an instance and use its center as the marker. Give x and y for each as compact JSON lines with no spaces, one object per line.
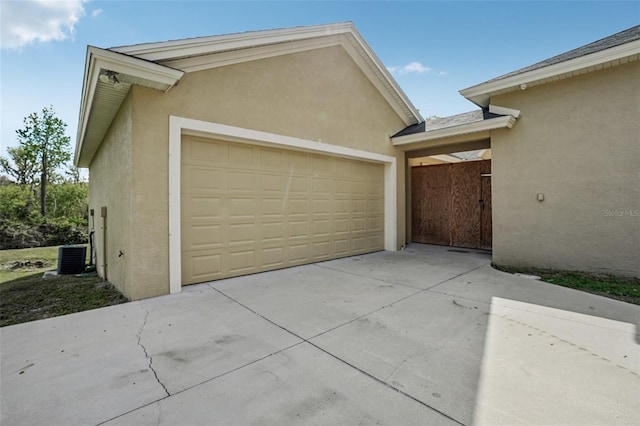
{"x":248,"y":208}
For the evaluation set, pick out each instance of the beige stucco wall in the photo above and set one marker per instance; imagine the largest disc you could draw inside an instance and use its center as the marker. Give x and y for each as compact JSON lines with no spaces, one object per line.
{"x":578,"y":143}
{"x":110,"y":187}
{"x":320,"y":95}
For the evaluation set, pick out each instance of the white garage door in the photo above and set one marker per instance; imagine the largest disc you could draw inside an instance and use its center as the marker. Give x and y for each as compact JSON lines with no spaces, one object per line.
{"x":248,"y":208}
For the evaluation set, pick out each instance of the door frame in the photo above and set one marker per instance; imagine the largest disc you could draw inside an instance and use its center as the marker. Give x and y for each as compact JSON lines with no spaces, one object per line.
{"x":181,"y":125}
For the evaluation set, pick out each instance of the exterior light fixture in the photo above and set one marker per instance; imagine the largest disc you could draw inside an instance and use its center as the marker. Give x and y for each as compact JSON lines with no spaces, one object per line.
{"x":110,"y":77}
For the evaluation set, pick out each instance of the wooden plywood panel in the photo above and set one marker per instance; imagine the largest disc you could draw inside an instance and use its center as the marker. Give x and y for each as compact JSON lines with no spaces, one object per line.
{"x":465,"y":204}
{"x":451,"y":204}
{"x":431,"y":199}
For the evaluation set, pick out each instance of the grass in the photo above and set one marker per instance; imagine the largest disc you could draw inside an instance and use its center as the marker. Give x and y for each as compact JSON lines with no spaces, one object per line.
{"x":26,"y":296}
{"x":619,"y":288}
{"x":10,"y":268}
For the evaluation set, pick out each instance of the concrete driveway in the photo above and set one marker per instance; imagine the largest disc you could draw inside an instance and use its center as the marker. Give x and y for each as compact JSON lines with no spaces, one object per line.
{"x":428,"y":335}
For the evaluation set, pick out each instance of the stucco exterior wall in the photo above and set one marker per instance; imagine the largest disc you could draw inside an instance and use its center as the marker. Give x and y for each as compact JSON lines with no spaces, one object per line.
{"x":319,"y":95}
{"x":578,"y":143}
{"x":110,"y":187}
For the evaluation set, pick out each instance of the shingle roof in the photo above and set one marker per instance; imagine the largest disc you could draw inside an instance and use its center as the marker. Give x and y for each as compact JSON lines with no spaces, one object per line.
{"x":446,"y":122}
{"x":614,"y":40}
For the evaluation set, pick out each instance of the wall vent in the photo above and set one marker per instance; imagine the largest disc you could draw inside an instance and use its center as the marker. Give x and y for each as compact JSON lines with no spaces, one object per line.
{"x":71,"y":259}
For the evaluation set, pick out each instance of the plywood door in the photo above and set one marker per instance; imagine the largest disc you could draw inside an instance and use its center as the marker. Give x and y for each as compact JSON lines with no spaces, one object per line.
{"x":247,"y":208}
{"x":431,"y":199}
{"x":450,"y":205}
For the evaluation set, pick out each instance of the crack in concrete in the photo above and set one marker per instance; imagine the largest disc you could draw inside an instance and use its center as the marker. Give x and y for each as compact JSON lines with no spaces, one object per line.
{"x":146,"y":354}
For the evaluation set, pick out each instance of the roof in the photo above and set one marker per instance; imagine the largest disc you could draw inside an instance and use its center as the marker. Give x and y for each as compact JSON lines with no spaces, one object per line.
{"x":472,"y":122}
{"x":439,"y":123}
{"x":614,"y":50}
{"x":153,"y":63}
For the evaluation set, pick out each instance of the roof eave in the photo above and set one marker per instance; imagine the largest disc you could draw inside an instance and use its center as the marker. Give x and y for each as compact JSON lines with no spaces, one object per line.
{"x":504,"y":122}
{"x":233,"y":47}
{"x":480,"y":94}
{"x":131,"y":71}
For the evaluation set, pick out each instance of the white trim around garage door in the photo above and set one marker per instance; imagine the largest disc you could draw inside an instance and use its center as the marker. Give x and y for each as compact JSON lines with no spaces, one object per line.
{"x":180,"y":125}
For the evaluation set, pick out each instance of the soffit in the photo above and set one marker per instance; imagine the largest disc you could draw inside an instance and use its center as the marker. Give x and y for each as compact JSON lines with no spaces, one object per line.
{"x":101,"y":100}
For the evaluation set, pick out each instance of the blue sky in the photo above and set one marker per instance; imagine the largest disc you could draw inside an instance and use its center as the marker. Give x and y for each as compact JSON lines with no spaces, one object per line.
{"x":433,"y":48}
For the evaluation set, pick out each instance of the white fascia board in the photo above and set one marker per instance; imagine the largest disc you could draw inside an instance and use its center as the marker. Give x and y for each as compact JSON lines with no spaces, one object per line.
{"x":210,"y":52}
{"x":495,"y":109}
{"x":169,"y":50}
{"x":476,"y":127}
{"x":209,"y":61}
{"x":98,"y":60}
{"x":481,"y":93}
{"x":135,"y":67}
{"x":385,"y":76}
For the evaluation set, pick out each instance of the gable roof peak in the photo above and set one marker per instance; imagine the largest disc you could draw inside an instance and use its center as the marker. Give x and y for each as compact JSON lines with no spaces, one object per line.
{"x":180,"y":48}
{"x":613,"y":50}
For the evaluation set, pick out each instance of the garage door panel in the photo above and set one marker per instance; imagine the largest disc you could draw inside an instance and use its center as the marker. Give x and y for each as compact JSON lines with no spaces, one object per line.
{"x":204,"y":236}
{"x":298,"y":253}
{"x":273,"y":159}
{"x":265,"y":208}
{"x":297,"y":185}
{"x":341,"y":226}
{"x":203,"y":179}
{"x":204,"y":151}
{"x":297,"y":207}
{"x":341,"y":207}
{"x":375,"y":223}
{"x":273,"y":257}
{"x":298,"y":162}
{"x":241,"y":156}
{"x":272,"y":183}
{"x":358,"y":245}
{"x":272,"y":207}
{"x":241,"y":260}
{"x":321,"y":250}
{"x":273,"y":231}
{"x":242,"y":207}
{"x":242,"y":181}
{"x":299,"y":229}
{"x":359,"y":189}
{"x":341,"y":247}
{"x":376,"y":242}
{"x":321,"y":207}
{"x":203,"y":266}
{"x":240,"y":233}
{"x":358,"y":206}
{"x":322,"y":187}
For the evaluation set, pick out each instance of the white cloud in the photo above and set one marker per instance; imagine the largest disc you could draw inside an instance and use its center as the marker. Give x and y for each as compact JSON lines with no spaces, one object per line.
{"x":414,"y":68}
{"x":96,"y":12}
{"x":29,"y":21}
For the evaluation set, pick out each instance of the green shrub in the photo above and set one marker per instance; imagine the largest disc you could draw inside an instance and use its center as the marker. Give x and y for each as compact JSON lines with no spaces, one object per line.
{"x":52,"y":232}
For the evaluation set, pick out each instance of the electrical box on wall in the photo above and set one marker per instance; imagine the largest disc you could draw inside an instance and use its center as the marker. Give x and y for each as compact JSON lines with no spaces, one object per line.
{"x":103,"y":211}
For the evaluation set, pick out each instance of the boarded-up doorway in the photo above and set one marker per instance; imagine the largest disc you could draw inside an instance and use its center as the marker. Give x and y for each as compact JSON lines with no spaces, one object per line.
{"x":451,"y":204}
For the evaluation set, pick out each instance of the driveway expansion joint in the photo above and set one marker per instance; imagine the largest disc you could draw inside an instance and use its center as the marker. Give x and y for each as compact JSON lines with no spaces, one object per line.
{"x":146,"y":354}
{"x":361,"y":371}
